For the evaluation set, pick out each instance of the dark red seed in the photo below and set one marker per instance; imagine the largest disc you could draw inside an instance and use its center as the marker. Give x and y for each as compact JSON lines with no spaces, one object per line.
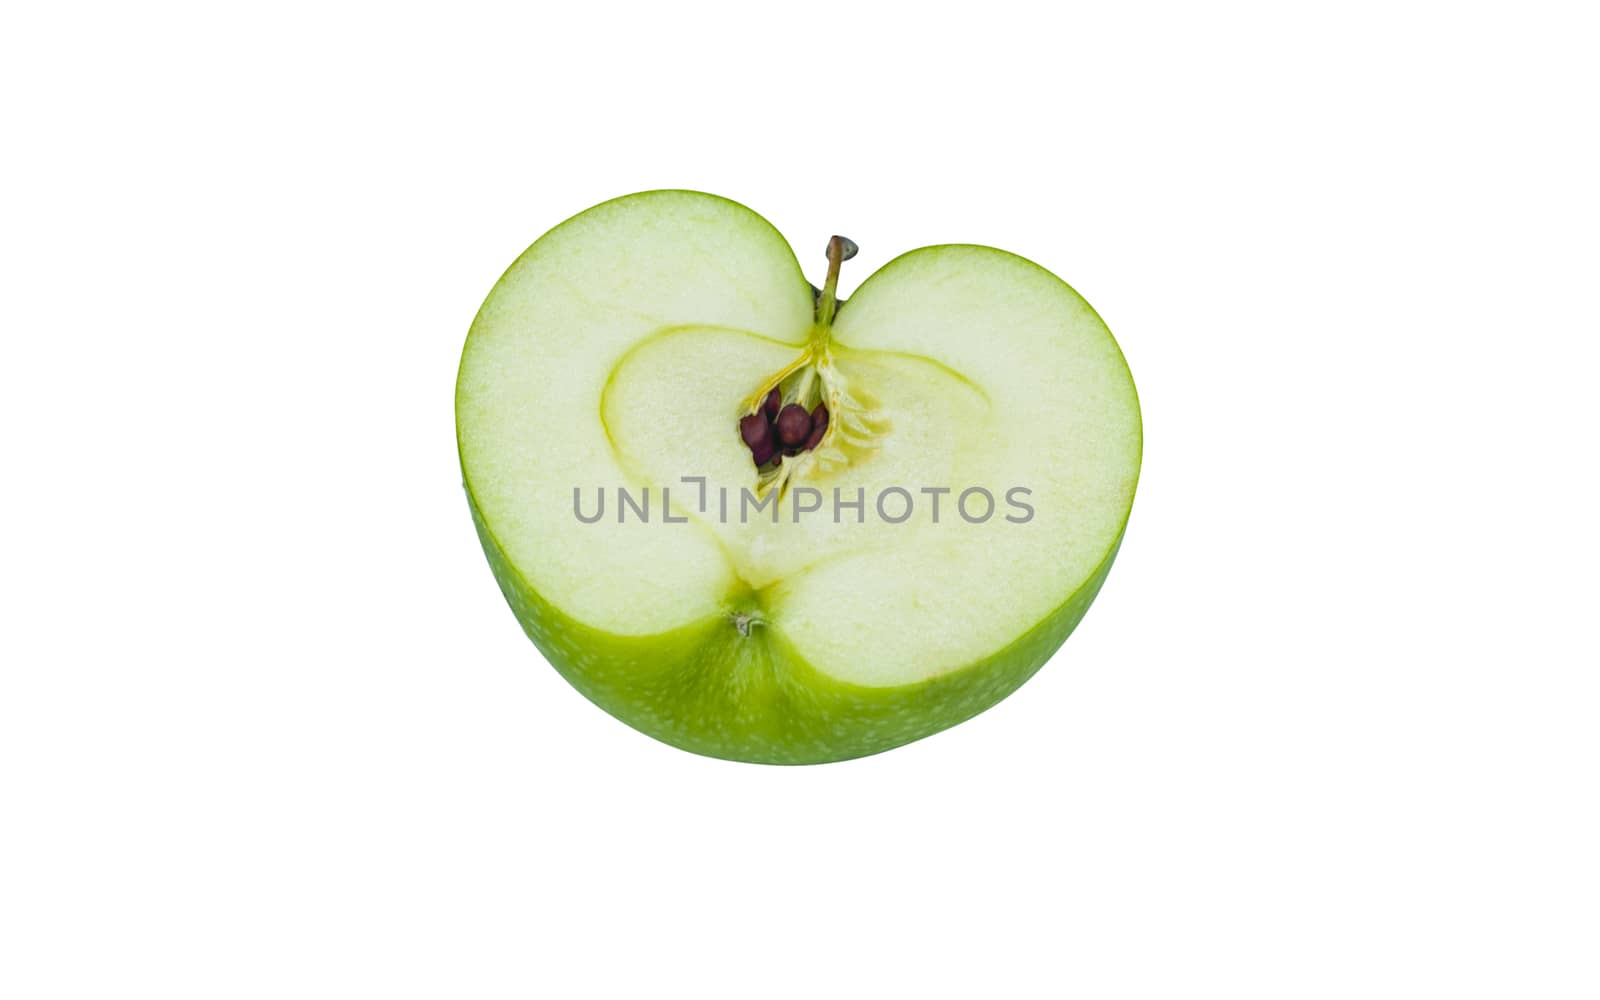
{"x":755,"y":430}
{"x":762,"y":453}
{"x":819,"y":425}
{"x":773,"y":403}
{"x":794,"y":425}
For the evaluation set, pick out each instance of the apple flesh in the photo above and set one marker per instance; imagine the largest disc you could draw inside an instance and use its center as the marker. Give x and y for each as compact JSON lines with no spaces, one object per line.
{"x":627,"y":348}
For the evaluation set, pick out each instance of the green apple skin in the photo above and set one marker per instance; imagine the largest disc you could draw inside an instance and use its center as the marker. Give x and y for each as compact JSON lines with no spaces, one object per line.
{"x":710,"y":690}
{"x":745,"y":694}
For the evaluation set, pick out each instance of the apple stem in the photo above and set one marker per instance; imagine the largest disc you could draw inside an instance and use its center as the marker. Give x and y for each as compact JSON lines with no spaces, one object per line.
{"x":840,"y":249}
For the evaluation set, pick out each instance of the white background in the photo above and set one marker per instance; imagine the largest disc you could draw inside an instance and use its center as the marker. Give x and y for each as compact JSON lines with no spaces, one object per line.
{"x":267,"y":728}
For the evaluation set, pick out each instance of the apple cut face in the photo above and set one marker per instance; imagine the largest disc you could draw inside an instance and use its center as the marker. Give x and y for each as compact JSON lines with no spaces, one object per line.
{"x":921,"y":559}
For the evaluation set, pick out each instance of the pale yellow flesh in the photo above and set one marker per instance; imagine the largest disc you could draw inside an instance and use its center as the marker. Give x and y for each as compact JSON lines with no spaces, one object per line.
{"x":617,"y":352}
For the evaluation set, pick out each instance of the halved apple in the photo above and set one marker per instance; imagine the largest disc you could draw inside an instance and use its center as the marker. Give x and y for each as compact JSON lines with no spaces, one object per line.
{"x":903,"y":568}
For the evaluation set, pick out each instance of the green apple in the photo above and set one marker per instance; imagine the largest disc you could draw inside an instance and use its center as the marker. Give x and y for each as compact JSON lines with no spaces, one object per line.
{"x":872,"y":580}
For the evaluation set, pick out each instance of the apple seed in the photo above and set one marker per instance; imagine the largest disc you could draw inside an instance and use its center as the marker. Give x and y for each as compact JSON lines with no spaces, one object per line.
{"x":819,"y":426}
{"x":755,"y":430}
{"x":794,"y":425}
